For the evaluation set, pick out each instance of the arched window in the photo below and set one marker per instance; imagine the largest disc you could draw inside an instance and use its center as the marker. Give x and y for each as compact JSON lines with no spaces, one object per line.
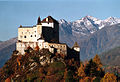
{"x":31,"y":35}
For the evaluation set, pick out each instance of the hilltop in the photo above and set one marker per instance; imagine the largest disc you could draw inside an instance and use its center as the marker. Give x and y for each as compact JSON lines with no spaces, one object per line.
{"x":38,"y":65}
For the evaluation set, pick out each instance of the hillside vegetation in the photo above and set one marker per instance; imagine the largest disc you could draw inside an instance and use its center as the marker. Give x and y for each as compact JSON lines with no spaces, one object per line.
{"x":41,"y":65}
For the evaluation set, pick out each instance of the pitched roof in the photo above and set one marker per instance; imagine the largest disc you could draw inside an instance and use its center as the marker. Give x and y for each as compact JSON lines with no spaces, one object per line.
{"x":39,"y":21}
{"x":25,"y":26}
{"x":50,"y":20}
{"x":76,"y":45}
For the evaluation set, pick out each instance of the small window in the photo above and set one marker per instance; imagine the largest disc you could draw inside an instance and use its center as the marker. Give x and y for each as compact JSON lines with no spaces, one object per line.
{"x":31,"y":35}
{"x":35,"y":35}
{"x":35,"y":31}
{"x":25,"y":37}
{"x":20,"y":36}
{"x":46,"y":19}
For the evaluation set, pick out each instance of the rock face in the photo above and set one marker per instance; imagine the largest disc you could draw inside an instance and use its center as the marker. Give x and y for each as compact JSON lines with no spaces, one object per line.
{"x":101,"y":41}
{"x":93,"y":35}
{"x":111,"y":57}
{"x":6,"y":50}
{"x":96,"y":43}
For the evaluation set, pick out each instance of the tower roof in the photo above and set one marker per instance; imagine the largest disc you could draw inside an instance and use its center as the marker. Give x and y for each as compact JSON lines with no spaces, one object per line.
{"x":50,"y":20}
{"x":39,"y":21}
{"x":76,"y":45}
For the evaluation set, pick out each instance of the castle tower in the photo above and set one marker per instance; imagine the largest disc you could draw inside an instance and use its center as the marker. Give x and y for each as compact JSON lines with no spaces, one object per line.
{"x":39,"y":21}
{"x":76,"y":47}
{"x":39,"y":28}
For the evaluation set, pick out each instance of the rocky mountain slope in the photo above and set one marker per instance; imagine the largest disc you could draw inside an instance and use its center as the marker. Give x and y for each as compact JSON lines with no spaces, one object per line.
{"x":111,"y":57}
{"x":6,"y":49}
{"x":93,"y":35}
{"x":85,"y":26}
{"x":102,"y":40}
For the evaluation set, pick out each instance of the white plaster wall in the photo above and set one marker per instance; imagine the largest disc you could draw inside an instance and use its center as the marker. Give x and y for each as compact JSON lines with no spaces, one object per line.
{"x":48,"y":24}
{"x":77,"y":49}
{"x":28,"y":32}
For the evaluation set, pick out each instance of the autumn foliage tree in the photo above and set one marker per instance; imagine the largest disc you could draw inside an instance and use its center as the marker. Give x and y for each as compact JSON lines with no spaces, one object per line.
{"x":97,"y":60}
{"x":93,"y":70}
{"x":81,"y":72}
{"x":109,"y":77}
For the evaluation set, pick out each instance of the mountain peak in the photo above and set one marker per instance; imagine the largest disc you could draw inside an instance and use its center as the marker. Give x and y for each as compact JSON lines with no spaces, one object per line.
{"x":62,"y":21}
{"x":112,"y":20}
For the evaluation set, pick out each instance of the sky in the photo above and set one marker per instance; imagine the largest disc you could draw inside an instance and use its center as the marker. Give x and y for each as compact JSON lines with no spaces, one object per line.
{"x":14,"y":13}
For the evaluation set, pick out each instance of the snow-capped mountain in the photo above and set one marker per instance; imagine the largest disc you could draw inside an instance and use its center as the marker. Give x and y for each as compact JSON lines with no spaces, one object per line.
{"x":93,"y":35}
{"x":87,"y":25}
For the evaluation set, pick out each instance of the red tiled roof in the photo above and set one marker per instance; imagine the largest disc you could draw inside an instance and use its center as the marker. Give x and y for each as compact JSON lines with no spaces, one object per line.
{"x":50,"y":20}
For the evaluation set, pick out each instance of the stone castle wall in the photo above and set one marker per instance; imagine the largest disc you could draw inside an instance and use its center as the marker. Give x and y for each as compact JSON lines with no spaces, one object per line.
{"x":53,"y":47}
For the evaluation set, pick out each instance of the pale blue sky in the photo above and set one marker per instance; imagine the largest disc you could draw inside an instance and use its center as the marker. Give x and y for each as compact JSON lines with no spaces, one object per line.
{"x":14,"y":13}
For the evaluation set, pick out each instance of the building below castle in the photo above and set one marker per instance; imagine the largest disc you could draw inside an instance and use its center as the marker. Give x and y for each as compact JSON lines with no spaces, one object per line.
{"x":44,"y":35}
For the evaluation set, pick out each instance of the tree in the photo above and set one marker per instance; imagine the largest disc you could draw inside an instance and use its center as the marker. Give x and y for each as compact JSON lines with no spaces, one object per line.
{"x":93,"y":70}
{"x":90,"y":69}
{"x":109,"y":77}
{"x":96,"y":59}
{"x":81,"y":72}
{"x":69,"y":76}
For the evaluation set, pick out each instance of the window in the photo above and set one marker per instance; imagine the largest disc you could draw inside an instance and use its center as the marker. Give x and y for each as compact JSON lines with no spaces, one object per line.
{"x":47,"y":19}
{"x":35,"y":35}
{"x":25,"y":37}
{"x":31,"y":35}
{"x":20,"y":36}
{"x":35,"y":31}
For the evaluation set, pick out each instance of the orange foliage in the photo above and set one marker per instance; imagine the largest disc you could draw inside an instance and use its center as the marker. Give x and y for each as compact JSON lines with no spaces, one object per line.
{"x":86,"y":79}
{"x":81,"y":72}
{"x":8,"y":80}
{"x":97,"y":60}
{"x":109,"y":77}
{"x":37,"y":48}
{"x":18,"y":60}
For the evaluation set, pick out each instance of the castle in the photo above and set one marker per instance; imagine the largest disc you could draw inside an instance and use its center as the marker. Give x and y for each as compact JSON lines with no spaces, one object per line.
{"x":44,"y":35}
